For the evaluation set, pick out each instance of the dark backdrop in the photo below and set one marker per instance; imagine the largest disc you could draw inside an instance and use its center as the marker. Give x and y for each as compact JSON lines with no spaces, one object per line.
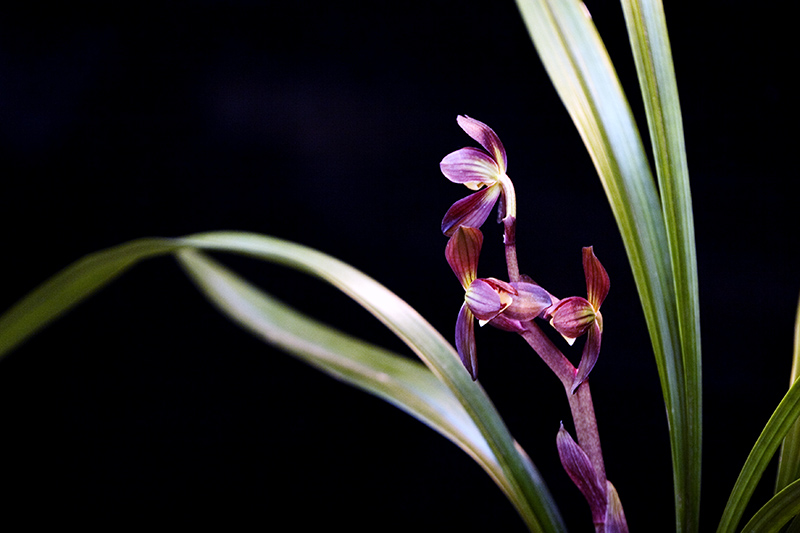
{"x":324,"y":123}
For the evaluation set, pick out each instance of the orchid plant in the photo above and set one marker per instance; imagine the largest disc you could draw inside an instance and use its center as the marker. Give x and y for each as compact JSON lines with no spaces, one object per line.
{"x":655,"y":221}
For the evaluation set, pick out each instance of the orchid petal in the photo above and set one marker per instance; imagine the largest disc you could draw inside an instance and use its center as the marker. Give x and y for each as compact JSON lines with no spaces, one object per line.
{"x":465,"y":340}
{"x":530,"y":301}
{"x":597,"y":282}
{"x":470,"y":166}
{"x":486,"y":137}
{"x":485,"y":302}
{"x":572,"y":317}
{"x":471,"y":211}
{"x":462,"y":252}
{"x":591,"y":351}
{"x":580,"y":470}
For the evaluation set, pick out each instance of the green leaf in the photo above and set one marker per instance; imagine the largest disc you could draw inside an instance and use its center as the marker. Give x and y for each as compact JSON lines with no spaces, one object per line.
{"x":71,"y":286}
{"x":789,"y":462}
{"x":497,"y":452}
{"x":531,"y":497}
{"x":776,"y":429}
{"x":407,"y":384}
{"x":647,"y":29}
{"x":776,"y":512}
{"x":582,"y":73}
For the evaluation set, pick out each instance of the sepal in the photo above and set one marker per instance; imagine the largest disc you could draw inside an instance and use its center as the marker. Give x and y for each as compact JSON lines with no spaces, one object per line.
{"x":462,"y":253}
{"x":465,"y":340}
{"x":615,"y":516}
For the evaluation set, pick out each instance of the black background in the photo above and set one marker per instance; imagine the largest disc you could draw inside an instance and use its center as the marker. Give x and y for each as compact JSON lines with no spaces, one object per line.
{"x":324,"y":123}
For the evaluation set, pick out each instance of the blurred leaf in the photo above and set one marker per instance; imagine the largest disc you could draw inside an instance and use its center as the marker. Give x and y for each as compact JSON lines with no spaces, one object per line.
{"x":789,"y":462}
{"x":582,"y":73}
{"x":407,"y":384}
{"x":531,"y":497}
{"x":464,"y":413}
{"x":71,"y":286}
{"x":776,"y":429}
{"x":776,"y":512}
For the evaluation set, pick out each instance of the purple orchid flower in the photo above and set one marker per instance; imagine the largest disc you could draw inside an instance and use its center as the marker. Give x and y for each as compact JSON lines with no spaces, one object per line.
{"x":490,"y":300}
{"x":483,"y":171}
{"x":574,"y":316}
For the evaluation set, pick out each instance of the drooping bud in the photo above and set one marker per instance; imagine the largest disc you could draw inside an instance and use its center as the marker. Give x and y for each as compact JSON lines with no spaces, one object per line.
{"x":580,"y":470}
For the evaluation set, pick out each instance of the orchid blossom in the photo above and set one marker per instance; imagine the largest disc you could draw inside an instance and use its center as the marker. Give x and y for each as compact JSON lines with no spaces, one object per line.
{"x":574,"y":316}
{"x":490,"y":300}
{"x":483,"y":171}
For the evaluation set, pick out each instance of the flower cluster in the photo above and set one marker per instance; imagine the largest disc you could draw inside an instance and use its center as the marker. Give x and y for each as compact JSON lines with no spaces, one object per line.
{"x":507,"y":305}
{"x":515,"y":304}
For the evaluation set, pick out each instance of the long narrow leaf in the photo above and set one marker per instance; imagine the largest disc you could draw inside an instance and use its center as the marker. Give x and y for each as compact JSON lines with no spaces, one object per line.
{"x":537,"y":509}
{"x":789,"y":462}
{"x":581,"y":71}
{"x":647,"y":29}
{"x":71,"y":286}
{"x":513,"y":470}
{"x":776,"y":429}
{"x":407,"y":384}
{"x":777,"y":511}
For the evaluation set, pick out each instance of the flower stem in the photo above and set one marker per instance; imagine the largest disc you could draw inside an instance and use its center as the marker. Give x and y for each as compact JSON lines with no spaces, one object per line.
{"x":510,"y":241}
{"x":580,"y":402}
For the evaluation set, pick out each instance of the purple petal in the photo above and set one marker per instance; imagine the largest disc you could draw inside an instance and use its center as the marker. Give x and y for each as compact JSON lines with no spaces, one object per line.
{"x":471,"y":211}
{"x":597,"y":282}
{"x":486,"y":137}
{"x":485,"y":302}
{"x":591,"y":351}
{"x":581,"y":472}
{"x":506,"y":324}
{"x":572,"y":317}
{"x":462,"y":252}
{"x":465,"y":340}
{"x":529,"y":302}
{"x":470,"y":166}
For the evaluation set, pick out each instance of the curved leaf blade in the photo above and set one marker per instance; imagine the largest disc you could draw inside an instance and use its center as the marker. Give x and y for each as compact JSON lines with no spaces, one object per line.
{"x":514,"y":471}
{"x":71,"y":286}
{"x":537,"y":509}
{"x":779,"y":424}
{"x":789,"y":461}
{"x":777,"y":511}
{"x":406,"y":384}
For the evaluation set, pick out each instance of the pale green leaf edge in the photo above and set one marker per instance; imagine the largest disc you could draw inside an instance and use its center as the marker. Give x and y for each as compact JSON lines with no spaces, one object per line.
{"x":578,"y":64}
{"x":789,"y":461}
{"x":84,"y":277}
{"x":777,"y":511}
{"x":647,"y":30}
{"x":765,"y":447}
